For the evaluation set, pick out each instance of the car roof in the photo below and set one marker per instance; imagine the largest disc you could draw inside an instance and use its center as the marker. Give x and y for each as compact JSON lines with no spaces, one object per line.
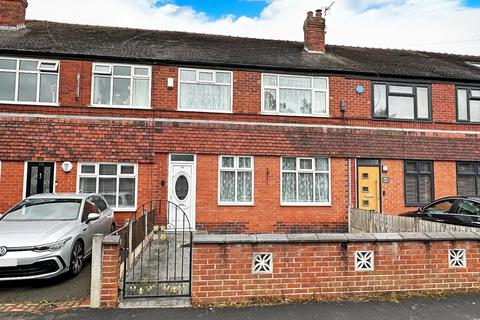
{"x":61,"y":196}
{"x":473,"y":198}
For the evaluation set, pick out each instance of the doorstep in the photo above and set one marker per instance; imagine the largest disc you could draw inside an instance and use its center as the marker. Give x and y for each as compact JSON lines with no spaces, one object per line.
{"x":149,"y":303}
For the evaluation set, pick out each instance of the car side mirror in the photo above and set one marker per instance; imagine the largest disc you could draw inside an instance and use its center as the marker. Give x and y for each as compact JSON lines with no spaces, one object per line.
{"x":92,"y":217}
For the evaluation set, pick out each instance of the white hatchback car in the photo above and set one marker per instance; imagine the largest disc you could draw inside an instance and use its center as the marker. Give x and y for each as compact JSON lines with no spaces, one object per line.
{"x":47,"y":235}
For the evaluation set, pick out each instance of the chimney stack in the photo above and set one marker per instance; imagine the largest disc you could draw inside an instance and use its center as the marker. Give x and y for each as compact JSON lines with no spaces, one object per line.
{"x":12,"y":14}
{"x":314,"y":30}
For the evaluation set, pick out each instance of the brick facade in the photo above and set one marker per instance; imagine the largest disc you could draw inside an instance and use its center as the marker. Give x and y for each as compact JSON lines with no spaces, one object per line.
{"x":222,"y":273}
{"x":76,"y":132}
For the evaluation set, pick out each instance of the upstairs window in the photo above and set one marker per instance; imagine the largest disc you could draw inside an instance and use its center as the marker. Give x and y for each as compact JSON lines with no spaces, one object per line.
{"x":117,"y":183}
{"x":121,"y":85}
{"x":305,"y":181}
{"x":294,"y":95}
{"x":205,"y":90}
{"x":468,"y":104}
{"x":401,"y":101}
{"x":28,"y":81}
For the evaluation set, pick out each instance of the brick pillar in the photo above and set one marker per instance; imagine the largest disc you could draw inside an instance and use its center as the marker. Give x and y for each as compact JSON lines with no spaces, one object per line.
{"x":110,"y":272}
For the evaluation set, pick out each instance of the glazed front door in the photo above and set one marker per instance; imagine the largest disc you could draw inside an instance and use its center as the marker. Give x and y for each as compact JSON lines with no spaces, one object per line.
{"x":369,"y":188}
{"x":181,"y":191}
{"x":39,"y":178}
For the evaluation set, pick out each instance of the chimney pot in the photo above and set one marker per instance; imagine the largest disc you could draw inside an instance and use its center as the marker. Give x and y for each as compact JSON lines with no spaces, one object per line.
{"x":12,"y":14}
{"x":314,"y":32}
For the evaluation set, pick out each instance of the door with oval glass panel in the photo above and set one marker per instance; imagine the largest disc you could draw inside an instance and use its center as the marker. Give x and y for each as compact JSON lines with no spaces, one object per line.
{"x":368,"y":181}
{"x":181,"y":191}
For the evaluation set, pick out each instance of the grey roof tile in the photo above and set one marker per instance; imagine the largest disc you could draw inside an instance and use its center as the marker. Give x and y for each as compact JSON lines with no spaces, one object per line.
{"x":150,"y":46}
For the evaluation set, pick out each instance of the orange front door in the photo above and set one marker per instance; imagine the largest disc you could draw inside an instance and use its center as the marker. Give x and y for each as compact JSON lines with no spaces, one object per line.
{"x":369,"y":188}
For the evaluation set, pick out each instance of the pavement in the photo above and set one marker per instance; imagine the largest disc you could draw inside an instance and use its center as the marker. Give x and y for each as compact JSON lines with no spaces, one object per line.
{"x":57,"y":289}
{"x":451,"y":308}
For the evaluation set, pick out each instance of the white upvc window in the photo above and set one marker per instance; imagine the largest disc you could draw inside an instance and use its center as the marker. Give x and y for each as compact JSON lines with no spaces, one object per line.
{"x":235,"y":180}
{"x":117,"y":183}
{"x":305,"y":181}
{"x":294,"y":95}
{"x":121,"y":85}
{"x":205,"y":90}
{"x":29,"y":81}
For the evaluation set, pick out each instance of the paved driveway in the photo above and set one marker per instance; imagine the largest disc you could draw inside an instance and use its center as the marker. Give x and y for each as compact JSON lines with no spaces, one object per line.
{"x":51,"y":290}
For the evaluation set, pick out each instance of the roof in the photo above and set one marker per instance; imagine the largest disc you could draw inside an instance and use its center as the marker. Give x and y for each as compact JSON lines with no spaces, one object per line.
{"x":152,"y":46}
{"x":61,"y":196}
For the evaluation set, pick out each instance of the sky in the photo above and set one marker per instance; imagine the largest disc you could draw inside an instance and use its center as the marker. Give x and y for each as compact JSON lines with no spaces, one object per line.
{"x":432,"y":25}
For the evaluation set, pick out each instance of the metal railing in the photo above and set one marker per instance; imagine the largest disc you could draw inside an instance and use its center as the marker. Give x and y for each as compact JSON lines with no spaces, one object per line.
{"x":156,"y":251}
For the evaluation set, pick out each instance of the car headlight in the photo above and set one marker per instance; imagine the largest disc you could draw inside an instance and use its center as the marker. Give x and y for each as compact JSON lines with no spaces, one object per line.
{"x":51,"y":246}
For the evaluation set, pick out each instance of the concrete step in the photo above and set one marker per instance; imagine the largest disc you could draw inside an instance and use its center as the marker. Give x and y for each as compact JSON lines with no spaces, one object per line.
{"x":150,"y":303}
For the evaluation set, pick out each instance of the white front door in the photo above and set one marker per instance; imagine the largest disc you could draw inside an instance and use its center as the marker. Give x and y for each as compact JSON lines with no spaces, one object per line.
{"x":181,"y":191}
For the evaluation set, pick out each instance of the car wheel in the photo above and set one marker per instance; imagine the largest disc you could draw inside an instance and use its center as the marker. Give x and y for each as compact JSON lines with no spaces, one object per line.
{"x":76,"y":259}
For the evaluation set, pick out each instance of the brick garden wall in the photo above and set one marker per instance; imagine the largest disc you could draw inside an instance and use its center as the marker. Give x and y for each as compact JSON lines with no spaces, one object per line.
{"x":319,"y":266}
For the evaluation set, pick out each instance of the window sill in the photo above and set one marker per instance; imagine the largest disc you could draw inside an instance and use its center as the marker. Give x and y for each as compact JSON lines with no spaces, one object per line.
{"x":123,"y":209}
{"x":235,"y":204}
{"x":45,"y":104}
{"x":403,"y":120}
{"x":302,"y":204}
{"x":265,"y":113}
{"x":467,"y":122}
{"x":204,"y":111}
{"x":118,"y":107}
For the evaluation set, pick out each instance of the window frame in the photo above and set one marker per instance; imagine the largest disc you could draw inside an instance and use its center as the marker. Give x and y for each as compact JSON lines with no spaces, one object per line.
{"x":313,"y":171}
{"x":38,"y":72}
{"x":197,"y":80}
{"x":469,"y":98}
{"x":418,"y":174}
{"x":277,"y":92}
{"x":236,"y":169}
{"x":118,"y":176}
{"x":414,"y":86}
{"x":131,"y":77}
{"x":476,"y":175}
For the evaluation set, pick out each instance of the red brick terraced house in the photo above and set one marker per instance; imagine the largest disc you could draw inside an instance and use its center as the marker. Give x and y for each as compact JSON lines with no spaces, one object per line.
{"x":248,"y":135}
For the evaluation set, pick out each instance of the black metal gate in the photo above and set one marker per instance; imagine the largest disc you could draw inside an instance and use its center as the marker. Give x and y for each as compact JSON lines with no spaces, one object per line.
{"x":157,"y":252}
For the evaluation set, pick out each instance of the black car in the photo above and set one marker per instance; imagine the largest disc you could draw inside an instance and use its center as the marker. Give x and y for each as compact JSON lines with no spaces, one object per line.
{"x":459,"y":210}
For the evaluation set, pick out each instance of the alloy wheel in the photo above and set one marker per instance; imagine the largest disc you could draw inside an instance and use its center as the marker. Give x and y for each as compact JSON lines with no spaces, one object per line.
{"x":76,"y":262}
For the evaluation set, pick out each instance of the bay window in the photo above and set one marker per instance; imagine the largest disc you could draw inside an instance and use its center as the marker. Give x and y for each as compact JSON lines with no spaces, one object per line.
{"x":29,"y":81}
{"x":117,"y":183}
{"x":401,"y":101}
{"x":121,"y":85}
{"x":305,"y":181}
{"x":468,"y":104}
{"x":235,"y":182}
{"x":205,"y":90}
{"x":294,"y":95}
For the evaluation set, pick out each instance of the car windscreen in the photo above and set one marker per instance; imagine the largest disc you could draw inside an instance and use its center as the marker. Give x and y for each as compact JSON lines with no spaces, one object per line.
{"x":44,"y":210}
